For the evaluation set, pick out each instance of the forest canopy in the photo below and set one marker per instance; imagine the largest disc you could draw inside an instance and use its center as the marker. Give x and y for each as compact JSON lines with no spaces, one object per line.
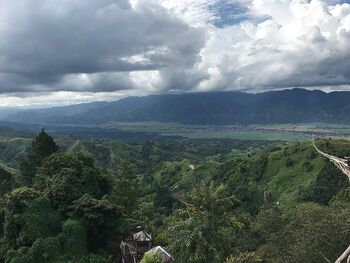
{"x":274,"y":203}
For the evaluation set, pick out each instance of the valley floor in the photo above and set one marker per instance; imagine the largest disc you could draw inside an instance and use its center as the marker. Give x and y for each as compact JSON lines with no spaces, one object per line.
{"x":275,"y":132}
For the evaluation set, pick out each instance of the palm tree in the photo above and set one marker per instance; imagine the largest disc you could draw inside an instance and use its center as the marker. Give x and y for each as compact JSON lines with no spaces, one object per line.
{"x":204,"y":230}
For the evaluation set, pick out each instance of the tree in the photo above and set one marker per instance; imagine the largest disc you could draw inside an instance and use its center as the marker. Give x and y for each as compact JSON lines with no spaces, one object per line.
{"x":38,"y":220}
{"x":329,"y":182}
{"x":93,"y":258}
{"x":310,"y":233}
{"x":66,"y":177}
{"x":244,"y":258}
{"x":42,"y":146}
{"x":101,"y":220}
{"x":64,"y":188}
{"x":6,"y":181}
{"x":73,"y":238}
{"x":126,"y":186}
{"x":268,"y":224}
{"x":204,"y":231}
{"x":65,"y":216}
{"x":68,"y":246}
{"x":46,"y":250}
{"x":14,"y":204}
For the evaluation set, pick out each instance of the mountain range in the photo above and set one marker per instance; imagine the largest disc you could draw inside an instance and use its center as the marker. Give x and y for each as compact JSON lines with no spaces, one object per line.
{"x":211,"y":108}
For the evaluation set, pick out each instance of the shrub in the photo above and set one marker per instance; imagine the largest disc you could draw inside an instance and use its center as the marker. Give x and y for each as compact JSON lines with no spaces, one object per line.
{"x":151,"y":258}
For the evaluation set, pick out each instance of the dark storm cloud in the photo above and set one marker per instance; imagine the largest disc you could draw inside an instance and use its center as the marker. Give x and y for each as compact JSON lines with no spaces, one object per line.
{"x":48,"y":44}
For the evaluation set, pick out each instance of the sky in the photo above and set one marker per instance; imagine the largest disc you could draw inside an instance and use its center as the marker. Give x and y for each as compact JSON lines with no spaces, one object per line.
{"x":59,"y":52}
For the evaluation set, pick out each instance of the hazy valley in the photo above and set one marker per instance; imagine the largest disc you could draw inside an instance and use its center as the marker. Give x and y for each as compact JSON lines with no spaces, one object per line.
{"x":174,"y":131}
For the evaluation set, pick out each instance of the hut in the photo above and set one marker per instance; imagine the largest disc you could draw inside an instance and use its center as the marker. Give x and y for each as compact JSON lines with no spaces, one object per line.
{"x":142,"y":242}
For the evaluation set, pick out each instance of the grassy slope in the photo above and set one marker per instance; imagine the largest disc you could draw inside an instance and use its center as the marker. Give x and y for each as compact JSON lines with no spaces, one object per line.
{"x":182,"y":176}
{"x":12,"y":150}
{"x":289,"y":167}
{"x":284,"y":181}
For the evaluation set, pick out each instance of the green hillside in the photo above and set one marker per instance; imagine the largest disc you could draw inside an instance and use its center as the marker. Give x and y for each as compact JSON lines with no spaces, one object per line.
{"x":250,"y":196}
{"x":280,"y":170}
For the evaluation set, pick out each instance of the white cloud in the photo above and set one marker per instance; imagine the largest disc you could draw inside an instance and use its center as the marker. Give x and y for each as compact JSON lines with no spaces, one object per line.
{"x":299,"y":44}
{"x":91,"y":50}
{"x":60,"y":98}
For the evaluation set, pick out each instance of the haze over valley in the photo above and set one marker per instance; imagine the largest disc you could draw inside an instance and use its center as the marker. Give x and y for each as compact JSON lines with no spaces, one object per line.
{"x":183,"y":131}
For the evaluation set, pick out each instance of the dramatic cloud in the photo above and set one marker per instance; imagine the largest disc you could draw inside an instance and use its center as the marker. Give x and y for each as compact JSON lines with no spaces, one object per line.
{"x":298,"y":44}
{"x":76,"y":45}
{"x":74,"y":50}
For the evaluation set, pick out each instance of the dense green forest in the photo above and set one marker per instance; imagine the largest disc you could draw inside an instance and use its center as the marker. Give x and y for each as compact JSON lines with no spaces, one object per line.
{"x":206,"y":201}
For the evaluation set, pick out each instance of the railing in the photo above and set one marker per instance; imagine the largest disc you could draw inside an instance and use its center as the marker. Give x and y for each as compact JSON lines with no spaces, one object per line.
{"x":343,"y":165}
{"x":344,"y":256}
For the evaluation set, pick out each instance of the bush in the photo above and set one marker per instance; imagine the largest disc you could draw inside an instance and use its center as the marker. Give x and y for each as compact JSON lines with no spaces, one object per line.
{"x":151,"y":258}
{"x":289,"y":162}
{"x":93,"y":258}
{"x":243,"y":258}
{"x":73,"y":239}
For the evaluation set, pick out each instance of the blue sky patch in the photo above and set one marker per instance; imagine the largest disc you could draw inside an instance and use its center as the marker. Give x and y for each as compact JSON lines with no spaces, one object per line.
{"x":228,"y":13}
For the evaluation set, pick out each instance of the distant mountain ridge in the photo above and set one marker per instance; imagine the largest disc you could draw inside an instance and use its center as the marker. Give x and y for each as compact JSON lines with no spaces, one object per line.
{"x":286,"y":106}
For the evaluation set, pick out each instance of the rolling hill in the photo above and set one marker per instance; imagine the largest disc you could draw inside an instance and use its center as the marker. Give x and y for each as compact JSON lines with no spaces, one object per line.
{"x":287,"y":106}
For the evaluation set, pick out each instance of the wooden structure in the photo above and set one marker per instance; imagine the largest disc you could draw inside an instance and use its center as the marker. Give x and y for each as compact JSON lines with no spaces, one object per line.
{"x":345,"y":257}
{"x":163,"y":253}
{"x":127,"y":257}
{"x":344,"y":166}
{"x":142,"y":242}
{"x":133,"y":250}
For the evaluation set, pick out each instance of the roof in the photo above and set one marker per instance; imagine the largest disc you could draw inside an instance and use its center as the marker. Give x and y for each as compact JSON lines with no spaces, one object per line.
{"x":142,"y":236}
{"x":165,"y":255}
